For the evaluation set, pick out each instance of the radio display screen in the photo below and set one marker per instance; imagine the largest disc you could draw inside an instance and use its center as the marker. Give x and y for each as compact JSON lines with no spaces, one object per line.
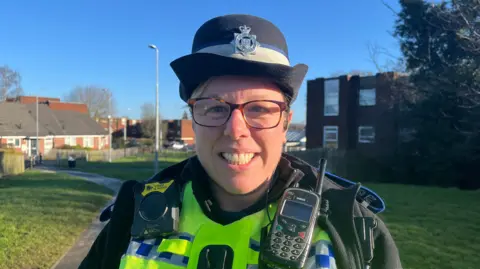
{"x":296,"y":210}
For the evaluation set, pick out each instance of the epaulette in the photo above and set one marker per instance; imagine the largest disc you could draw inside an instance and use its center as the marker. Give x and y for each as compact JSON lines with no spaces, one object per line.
{"x":366,"y":197}
{"x":169,"y":172}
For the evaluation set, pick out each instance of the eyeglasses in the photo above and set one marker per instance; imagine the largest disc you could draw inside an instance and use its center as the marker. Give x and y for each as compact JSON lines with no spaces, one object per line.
{"x":214,"y":112}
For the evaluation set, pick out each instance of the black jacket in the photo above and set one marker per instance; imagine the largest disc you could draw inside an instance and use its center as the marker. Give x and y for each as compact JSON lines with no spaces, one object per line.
{"x":345,"y":216}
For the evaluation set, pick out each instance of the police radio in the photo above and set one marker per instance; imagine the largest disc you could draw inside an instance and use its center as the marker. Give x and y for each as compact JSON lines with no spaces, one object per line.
{"x":156,"y":209}
{"x":288,"y":242}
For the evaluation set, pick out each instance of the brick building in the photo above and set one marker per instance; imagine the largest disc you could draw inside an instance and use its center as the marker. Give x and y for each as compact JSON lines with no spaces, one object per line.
{"x":352,"y":113}
{"x":122,"y":124}
{"x":179,"y":131}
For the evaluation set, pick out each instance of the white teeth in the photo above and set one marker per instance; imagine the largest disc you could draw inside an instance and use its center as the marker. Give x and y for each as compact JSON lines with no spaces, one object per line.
{"x":238,"y":159}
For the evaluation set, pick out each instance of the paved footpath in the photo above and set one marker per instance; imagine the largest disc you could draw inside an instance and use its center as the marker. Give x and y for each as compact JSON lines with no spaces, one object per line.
{"x":75,"y":255}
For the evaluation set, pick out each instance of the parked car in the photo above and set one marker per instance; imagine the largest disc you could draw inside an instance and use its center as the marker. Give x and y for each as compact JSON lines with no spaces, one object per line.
{"x":178,"y":145}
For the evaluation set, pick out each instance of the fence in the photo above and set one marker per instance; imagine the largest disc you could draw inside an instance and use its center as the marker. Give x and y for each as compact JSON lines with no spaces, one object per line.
{"x":94,"y":155}
{"x":103,"y":155}
{"x":348,"y":164}
{"x":11,"y":163}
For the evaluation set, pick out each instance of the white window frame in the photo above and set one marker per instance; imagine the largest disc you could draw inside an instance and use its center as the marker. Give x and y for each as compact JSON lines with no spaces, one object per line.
{"x":330,"y":129}
{"x":88,"y":142}
{"x":366,"y":139}
{"x":69,"y":139}
{"x":13,"y":142}
{"x":367,"y":101}
{"x":331,"y":92}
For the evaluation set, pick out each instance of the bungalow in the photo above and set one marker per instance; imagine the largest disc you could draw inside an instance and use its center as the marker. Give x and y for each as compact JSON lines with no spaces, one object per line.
{"x":56,"y":128}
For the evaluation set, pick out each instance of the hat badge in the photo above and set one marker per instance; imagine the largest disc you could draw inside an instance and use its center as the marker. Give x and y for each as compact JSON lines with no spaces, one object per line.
{"x":244,"y":42}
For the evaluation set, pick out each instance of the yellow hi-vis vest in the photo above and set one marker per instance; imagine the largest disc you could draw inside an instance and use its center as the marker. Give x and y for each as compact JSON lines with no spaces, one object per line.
{"x":181,"y":251}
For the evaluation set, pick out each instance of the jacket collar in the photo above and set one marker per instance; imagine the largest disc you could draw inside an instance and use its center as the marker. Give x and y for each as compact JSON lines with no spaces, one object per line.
{"x":290,"y":170}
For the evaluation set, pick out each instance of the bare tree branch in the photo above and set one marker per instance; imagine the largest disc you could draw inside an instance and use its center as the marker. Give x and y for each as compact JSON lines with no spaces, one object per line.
{"x":10,"y":83}
{"x":148,"y":120}
{"x":96,"y":98}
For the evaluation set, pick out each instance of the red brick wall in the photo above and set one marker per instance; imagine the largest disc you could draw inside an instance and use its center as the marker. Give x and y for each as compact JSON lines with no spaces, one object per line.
{"x":82,"y":108}
{"x":79,"y":141}
{"x":186,"y":131}
{"x":58,"y":142}
{"x":33,"y":99}
{"x":315,"y":113}
{"x":352,"y":115}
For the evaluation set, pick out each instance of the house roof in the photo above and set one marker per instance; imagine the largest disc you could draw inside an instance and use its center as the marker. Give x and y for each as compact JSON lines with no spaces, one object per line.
{"x":295,"y":135}
{"x":16,"y":121}
{"x":66,"y":122}
{"x":20,"y":120}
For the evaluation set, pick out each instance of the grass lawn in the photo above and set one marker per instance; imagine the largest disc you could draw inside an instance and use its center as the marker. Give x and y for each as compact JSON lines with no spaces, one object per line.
{"x":433,"y":227}
{"x":41,"y":216}
{"x":137,"y":168}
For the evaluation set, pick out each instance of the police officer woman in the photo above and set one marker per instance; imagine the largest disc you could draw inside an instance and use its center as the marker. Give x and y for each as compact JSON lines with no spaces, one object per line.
{"x":239,"y":84}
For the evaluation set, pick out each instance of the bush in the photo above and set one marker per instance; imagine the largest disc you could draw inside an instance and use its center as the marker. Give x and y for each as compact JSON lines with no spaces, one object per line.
{"x":11,"y":162}
{"x":74,"y":147}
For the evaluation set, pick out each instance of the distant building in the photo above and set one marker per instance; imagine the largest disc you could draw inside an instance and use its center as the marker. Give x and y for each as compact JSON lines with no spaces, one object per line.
{"x":179,"y":131}
{"x":351,"y":113}
{"x":56,"y":128}
{"x":120,"y":124}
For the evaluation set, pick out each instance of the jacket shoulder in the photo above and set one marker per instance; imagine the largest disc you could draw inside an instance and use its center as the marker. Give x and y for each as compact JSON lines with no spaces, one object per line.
{"x":125,"y":194}
{"x":365,"y":196}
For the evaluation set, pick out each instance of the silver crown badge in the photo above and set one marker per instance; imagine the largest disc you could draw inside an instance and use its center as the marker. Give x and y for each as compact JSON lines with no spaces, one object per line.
{"x":245,"y":43}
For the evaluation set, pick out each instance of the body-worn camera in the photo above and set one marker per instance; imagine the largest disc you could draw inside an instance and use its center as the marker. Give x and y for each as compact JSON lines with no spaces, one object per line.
{"x":157,"y":210}
{"x":288,"y":242}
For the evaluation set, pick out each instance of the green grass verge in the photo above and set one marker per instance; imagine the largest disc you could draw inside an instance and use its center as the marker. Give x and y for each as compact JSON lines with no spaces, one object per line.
{"x":42,"y":215}
{"x":433,"y":227}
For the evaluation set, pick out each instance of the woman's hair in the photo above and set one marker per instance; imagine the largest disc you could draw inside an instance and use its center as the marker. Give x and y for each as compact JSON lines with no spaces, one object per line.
{"x":198,"y":92}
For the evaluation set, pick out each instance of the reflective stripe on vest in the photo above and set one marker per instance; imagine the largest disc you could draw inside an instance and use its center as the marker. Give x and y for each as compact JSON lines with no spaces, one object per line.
{"x":197,"y":231}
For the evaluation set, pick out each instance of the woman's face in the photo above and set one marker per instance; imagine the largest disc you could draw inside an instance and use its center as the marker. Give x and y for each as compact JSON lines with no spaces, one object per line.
{"x":236,"y":156}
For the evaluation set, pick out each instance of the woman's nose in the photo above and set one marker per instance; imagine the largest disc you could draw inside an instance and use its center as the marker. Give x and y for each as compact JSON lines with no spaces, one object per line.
{"x":236,"y":126}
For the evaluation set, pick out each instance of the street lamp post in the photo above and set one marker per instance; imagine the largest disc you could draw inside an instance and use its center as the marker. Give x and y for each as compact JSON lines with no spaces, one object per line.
{"x":36,"y":143}
{"x":158,"y":131}
{"x":109,"y":95}
{"x":125,"y":131}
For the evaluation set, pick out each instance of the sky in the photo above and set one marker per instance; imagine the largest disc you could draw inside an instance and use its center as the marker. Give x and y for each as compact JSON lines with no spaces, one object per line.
{"x":58,"y":45}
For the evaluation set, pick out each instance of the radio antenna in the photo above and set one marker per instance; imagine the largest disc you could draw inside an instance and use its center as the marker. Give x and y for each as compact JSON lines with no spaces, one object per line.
{"x":321,"y":174}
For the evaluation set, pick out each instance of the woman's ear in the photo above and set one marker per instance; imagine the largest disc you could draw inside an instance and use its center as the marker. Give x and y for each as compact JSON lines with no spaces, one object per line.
{"x":286,"y":124}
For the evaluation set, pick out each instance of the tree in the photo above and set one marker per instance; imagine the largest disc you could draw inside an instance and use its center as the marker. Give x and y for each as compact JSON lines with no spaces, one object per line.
{"x":148,"y":120}
{"x":10,"y":83}
{"x":96,"y":98}
{"x":185,"y":115}
{"x":441,"y":47}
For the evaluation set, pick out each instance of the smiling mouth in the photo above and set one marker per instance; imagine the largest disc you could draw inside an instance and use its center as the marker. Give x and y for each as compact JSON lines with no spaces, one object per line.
{"x":237,"y":158}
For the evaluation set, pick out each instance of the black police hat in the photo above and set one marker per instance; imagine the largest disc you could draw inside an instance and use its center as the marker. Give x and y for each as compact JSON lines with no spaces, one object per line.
{"x":242,"y":45}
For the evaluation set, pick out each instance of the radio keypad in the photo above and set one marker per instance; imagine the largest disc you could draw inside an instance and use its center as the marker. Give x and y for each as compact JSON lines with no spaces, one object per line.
{"x":284,"y":243}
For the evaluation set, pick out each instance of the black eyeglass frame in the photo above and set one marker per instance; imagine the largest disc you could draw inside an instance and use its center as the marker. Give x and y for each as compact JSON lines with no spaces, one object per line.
{"x":282,"y":105}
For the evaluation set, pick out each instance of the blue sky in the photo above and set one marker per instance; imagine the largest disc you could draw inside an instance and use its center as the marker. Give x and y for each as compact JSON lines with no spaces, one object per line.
{"x":57,"y":45}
